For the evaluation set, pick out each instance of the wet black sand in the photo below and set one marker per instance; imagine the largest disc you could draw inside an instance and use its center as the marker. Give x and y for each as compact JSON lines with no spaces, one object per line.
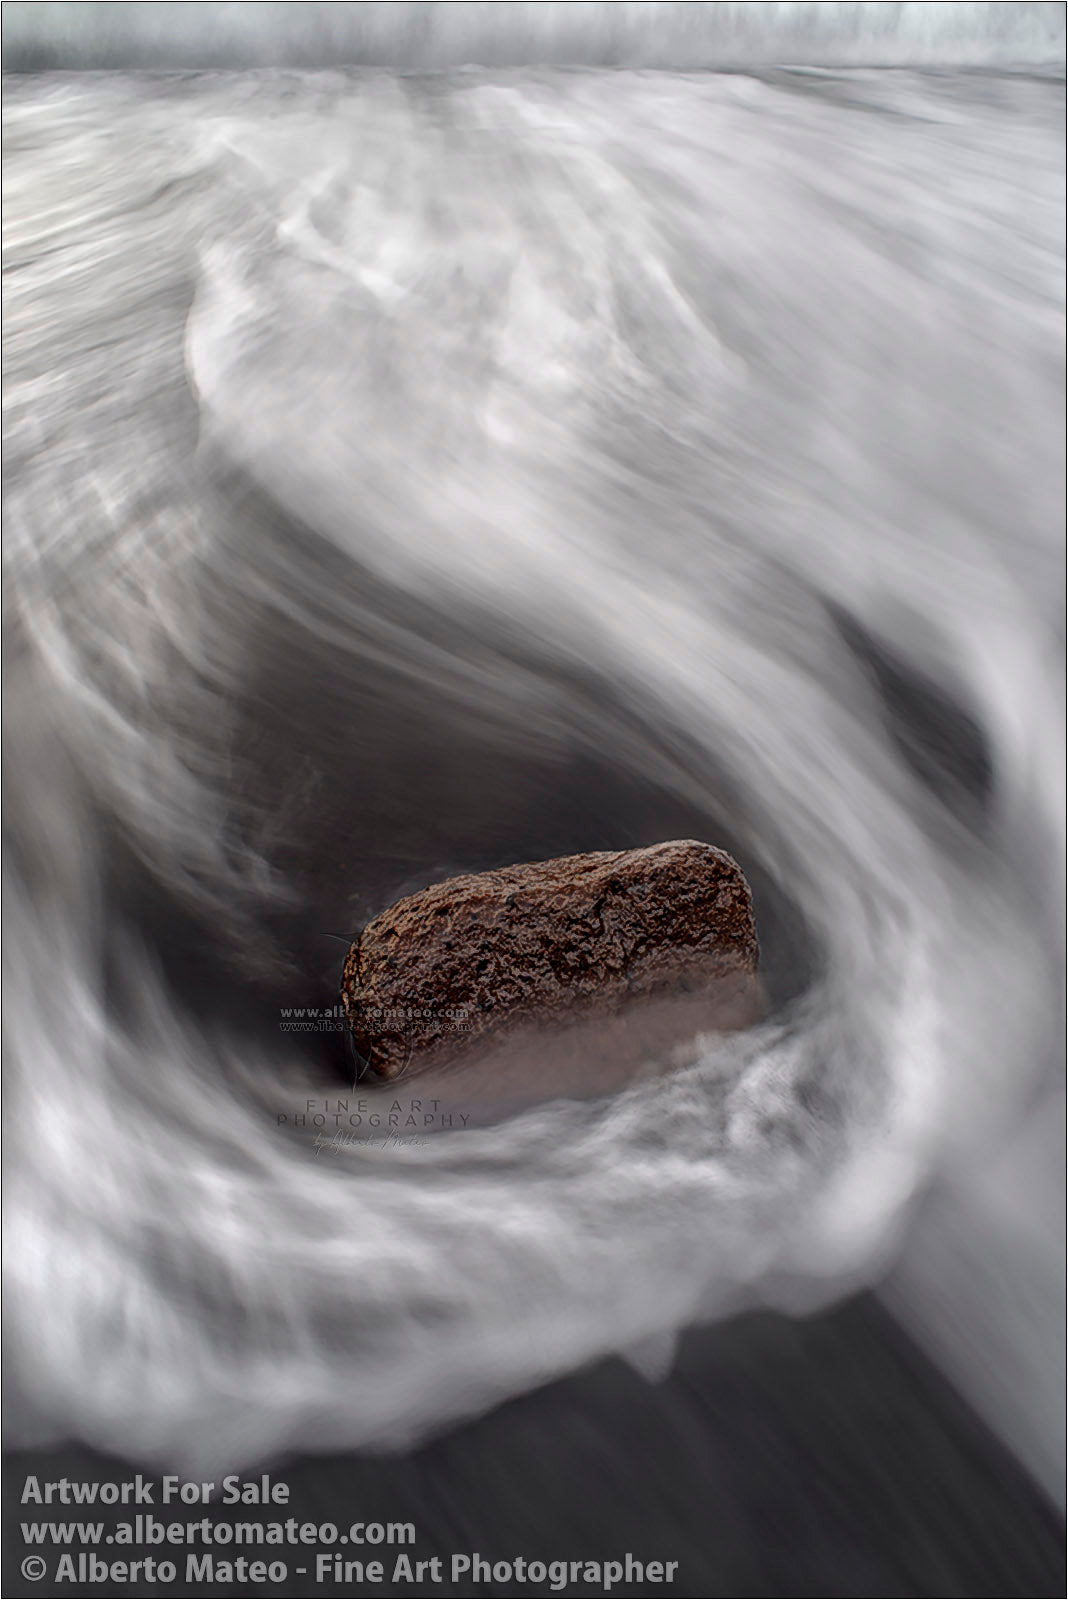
{"x":824,"y":1457}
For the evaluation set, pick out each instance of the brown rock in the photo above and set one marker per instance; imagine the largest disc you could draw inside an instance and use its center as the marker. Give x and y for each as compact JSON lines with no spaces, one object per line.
{"x":537,"y":964}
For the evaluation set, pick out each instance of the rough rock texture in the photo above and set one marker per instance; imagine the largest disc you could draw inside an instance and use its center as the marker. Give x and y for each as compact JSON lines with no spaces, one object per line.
{"x":583,"y":940}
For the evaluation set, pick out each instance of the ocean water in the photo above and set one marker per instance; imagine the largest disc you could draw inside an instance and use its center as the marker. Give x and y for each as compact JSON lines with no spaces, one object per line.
{"x":413,"y":474}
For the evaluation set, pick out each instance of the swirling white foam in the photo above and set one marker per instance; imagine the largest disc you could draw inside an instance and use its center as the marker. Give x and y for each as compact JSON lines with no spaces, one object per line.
{"x":658,"y":375}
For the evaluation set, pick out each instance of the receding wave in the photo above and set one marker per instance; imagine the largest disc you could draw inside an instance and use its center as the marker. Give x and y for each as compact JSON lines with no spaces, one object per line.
{"x":441,"y":35}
